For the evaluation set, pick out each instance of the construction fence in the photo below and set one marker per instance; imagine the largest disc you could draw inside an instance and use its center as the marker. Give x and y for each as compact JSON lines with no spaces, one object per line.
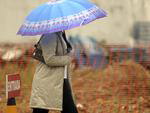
{"x":116,"y":82}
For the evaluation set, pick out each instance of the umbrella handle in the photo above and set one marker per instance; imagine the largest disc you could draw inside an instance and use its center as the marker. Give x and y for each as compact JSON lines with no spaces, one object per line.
{"x":80,"y":23}
{"x":83,"y":21}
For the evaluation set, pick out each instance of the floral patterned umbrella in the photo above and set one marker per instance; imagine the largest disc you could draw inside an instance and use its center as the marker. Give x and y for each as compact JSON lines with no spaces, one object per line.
{"x":59,"y":15}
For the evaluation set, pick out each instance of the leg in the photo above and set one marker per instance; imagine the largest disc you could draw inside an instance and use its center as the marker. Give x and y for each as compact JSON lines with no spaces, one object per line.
{"x":38,"y":110}
{"x":68,"y":103}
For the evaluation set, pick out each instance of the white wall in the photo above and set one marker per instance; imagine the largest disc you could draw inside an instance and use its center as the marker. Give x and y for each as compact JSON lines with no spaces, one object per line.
{"x":12,"y":14}
{"x":116,"y":28}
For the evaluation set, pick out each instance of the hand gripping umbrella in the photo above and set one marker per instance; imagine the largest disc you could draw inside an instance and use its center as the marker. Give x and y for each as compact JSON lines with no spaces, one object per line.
{"x":59,"y":15}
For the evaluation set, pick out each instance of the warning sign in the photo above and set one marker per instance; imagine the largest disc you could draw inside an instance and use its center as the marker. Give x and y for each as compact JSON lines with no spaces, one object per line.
{"x":13,"y":85}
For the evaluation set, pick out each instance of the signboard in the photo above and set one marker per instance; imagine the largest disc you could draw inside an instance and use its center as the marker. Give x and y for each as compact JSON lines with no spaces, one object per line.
{"x":13,"y":85}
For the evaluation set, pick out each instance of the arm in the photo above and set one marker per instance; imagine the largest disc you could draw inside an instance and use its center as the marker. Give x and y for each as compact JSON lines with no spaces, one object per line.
{"x":48,"y":45}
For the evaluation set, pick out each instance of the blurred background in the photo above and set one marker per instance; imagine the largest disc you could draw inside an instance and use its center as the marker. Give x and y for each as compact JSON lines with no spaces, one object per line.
{"x":111,"y":56}
{"x":123,"y":18}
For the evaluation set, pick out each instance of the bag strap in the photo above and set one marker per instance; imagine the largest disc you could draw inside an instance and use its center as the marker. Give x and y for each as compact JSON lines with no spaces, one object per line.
{"x":67,"y":42}
{"x":36,"y":45}
{"x":69,"y":47}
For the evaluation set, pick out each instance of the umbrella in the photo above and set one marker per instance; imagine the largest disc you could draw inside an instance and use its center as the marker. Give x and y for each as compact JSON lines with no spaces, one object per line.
{"x":59,"y":15}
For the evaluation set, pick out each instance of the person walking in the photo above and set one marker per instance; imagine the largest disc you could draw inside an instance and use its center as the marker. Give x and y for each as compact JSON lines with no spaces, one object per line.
{"x":51,"y":87}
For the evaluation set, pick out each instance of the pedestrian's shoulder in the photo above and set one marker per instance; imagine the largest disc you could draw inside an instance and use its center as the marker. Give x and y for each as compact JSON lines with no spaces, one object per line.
{"x":48,"y":38}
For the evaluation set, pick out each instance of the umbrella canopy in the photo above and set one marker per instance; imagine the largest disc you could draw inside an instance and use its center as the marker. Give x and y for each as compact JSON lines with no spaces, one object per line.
{"x":59,"y":15}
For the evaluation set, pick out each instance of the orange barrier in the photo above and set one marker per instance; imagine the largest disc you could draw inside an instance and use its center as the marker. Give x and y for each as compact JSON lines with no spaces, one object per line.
{"x":82,"y":95}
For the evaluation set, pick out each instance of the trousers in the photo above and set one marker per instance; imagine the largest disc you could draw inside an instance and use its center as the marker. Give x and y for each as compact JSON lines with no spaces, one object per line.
{"x":68,"y":103}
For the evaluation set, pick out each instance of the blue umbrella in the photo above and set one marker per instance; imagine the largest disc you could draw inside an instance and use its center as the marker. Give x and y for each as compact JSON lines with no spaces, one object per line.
{"x":59,"y":15}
